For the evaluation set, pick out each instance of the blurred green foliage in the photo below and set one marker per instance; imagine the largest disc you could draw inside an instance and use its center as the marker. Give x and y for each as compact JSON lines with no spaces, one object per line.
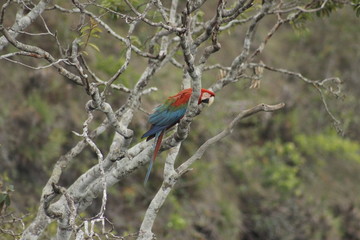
{"x":330,"y":6}
{"x":281,"y":165}
{"x":110,"y":64}
{"x":176,"y":220}
{"x":6,"y":190}
{"x":116,"y":6}
{"x":41,"y":107}
{"x":328,"y":145}
{"x":356,"y":7}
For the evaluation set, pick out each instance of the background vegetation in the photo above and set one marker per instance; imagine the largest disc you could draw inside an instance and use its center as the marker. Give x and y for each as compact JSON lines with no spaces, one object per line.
{"x":287,"y":175}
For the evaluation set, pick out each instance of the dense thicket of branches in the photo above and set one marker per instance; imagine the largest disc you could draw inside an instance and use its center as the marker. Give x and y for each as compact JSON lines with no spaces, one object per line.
{"x":155,"y":35}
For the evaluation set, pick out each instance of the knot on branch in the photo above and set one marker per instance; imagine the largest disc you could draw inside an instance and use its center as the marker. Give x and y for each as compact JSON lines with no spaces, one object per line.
{"x":48,"y":198}
{"x":217,"y":46}
{"x":119,"y":154}
{"x":128,"y":134}
{"x":90,"y":106}
{"x":56,"y":188}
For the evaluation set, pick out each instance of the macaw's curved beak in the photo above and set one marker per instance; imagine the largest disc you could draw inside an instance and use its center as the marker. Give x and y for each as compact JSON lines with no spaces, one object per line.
{"x":211,"y":100}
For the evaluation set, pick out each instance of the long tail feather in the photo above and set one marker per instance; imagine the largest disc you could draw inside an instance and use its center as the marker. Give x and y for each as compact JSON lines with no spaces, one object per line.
{"x":148,"y":172}
{"x":157,"y":144}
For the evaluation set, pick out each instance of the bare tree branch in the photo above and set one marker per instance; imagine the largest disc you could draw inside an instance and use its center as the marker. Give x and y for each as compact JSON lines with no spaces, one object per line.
{"x":40,"y":53}
{"x":23,"y":22}
{"x":228,"y":130}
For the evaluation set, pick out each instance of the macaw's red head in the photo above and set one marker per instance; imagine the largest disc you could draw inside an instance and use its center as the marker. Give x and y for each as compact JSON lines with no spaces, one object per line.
{"x":206,"y":96}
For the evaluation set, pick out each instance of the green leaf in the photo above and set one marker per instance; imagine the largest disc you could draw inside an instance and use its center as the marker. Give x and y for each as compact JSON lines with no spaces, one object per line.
{"x":94,"y":46}
{"x":7,"y":200}
{"x":84,"y":29}
{"x":96,"y":30}
{"x":2,"y":197}
{"x":3,"y":200}
{"x":135,"y":40}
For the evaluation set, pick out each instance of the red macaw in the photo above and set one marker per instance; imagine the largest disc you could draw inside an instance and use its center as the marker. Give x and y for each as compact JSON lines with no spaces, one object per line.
{"x":168,"y":114}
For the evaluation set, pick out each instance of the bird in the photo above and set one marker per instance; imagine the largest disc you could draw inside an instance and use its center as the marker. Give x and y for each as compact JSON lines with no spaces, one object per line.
{"x":169,"y":114}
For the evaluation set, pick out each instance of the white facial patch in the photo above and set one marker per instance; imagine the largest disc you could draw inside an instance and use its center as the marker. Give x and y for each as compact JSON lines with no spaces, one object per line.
{"x":205,"y":96}
{"x":211,"y":100}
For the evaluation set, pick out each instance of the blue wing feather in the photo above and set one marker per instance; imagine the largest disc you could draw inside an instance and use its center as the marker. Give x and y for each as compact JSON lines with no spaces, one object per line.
{"x":164,"y":117}
{"x":153,"y":130}
{"x":167,"y":117}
